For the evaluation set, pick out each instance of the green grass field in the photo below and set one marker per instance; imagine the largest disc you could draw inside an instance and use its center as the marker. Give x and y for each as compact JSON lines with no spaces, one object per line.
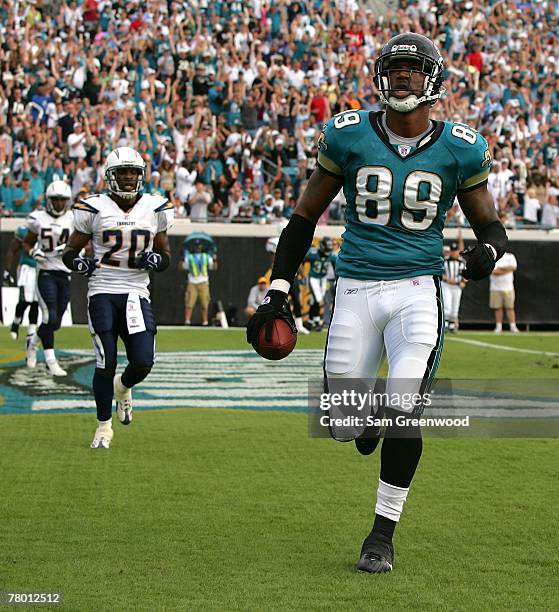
{"x":198,"y":509}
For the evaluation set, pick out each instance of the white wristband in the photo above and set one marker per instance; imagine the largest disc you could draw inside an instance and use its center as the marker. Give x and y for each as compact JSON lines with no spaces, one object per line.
{"x":493,"y":250}
{"x":279,"y":284}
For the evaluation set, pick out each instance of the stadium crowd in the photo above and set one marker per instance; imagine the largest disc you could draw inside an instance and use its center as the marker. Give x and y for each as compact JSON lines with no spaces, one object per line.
{"x":225,"y":100}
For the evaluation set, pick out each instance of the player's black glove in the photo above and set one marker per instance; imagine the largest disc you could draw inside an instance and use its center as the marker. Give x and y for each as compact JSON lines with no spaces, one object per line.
{"x":7,"y":279}
{"x":274,"y":306}
{"x":149,"y":260}
{"x":480,"y":261}
{"x":85,"y":266}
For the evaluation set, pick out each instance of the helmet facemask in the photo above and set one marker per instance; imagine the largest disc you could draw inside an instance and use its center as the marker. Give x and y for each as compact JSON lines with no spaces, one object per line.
{"x":125,"y":187}
{"x":57,"y":205}
{"x":388,"y":81}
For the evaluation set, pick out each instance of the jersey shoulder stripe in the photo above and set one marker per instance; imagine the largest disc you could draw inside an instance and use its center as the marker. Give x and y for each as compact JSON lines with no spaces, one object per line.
{"x":475,"y":181}
{"x":328,"y":166}
{"x":85,"y":206}
{"x":166,"y":205}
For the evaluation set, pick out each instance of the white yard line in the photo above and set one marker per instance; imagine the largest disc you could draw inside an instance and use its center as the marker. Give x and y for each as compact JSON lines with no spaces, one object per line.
{"x":501,"y":347}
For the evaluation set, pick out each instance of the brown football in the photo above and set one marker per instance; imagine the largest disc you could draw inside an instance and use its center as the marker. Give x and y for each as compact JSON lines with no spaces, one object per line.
{"x":281,"y":344}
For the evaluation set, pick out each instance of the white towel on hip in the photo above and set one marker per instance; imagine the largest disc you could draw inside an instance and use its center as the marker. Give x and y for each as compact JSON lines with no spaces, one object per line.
{"x":134,"y":315}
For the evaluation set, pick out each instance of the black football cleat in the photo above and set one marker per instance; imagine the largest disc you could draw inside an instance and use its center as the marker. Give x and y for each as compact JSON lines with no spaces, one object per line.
{"x":368,"y":441}
{"x":377,"y":555}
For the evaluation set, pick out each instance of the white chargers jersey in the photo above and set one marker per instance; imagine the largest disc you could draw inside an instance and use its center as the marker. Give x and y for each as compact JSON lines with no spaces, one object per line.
{"x":52,"y":236}
{"x":118,"y":237}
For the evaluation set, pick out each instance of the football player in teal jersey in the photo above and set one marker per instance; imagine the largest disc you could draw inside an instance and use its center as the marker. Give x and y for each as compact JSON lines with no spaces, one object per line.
{"x":320,"y":261}
{"x":26,"y":281}
{"x":400,"y":172}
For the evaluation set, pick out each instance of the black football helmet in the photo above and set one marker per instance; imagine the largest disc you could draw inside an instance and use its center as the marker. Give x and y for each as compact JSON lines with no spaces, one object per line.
{"x":427,"y":60}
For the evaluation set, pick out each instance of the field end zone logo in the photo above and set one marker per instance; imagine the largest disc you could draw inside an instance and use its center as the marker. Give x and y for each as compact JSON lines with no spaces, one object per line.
{"x":234,"y":380}
{"x":197,"y":379}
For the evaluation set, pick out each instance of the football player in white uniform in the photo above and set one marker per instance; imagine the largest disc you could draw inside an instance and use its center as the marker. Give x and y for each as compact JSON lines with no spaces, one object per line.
{"x":48,"y":231}
{"x":128,"y":231}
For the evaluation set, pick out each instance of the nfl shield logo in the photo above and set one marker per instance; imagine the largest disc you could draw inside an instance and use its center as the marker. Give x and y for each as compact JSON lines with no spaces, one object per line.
{"x":404,"y":150}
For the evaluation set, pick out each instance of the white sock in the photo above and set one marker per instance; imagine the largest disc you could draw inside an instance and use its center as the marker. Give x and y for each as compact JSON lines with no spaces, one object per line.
{"x":390,"y":500}
{"x":49,"y":355}
{"x":106,"y":424}
{"x":513,"y":327}
{"x":499,"y":326}
{"x":31,"y":329}
{"x":121,"y":387}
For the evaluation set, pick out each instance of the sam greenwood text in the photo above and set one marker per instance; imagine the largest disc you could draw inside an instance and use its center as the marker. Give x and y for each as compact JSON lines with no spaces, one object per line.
{"x":399,"y":421}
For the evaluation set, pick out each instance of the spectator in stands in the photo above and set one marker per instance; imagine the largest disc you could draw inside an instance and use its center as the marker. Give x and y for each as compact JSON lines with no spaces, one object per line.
{"x":256,"y":295}
{"x":77,"y":141}
{"x":501,"y":292}
{"x":23,"y":201}
{"x":550,"y":212}
{"x":239,"y":85}
{"x":199,"y":202}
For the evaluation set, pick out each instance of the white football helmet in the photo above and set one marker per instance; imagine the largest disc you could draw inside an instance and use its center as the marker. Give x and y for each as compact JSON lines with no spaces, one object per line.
{"x":58,"y":190}
{"x":124,"y":157}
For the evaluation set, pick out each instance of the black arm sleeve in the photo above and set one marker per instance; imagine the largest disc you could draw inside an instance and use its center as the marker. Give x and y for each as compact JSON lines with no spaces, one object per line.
{"x":293,"y":245}
{"x":68,"y":257}
{"x":494,"y":234}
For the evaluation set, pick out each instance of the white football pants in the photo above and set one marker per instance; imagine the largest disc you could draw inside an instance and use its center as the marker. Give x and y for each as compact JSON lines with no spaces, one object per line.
{"x":402,"y":319}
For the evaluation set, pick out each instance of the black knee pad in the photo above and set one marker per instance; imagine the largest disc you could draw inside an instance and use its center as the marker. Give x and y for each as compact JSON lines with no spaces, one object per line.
{"x":106,"y":372}
{"x":141,"y":369}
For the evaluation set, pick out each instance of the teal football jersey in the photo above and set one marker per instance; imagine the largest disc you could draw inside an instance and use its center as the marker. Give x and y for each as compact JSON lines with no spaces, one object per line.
{"x":24,"y":258}
{"x":398,"y":196}
{"x":319,"y":263}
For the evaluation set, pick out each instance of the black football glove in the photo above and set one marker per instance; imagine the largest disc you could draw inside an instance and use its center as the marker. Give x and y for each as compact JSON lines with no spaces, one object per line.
{"x":480,"y":261}
{"x":85,"y":266}
{"x":149,"y":260}
{"x":7,"y":279}
{"x":274,"y":306}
